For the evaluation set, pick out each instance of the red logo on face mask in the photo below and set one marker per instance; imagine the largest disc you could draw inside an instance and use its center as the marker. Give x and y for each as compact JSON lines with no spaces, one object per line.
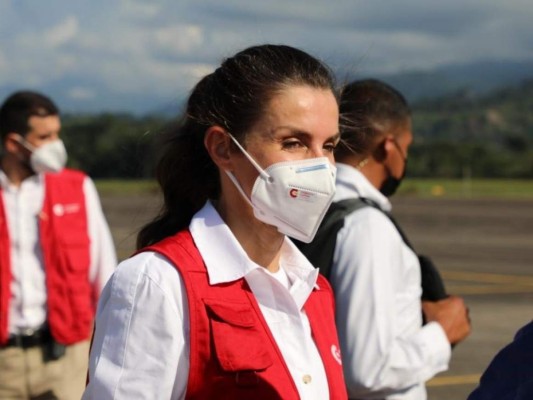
{"x":293,"y":193}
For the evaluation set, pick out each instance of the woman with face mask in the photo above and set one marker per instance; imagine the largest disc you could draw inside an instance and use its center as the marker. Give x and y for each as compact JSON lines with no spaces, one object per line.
{"x":218,"y":303}
{"x":376,"y":276}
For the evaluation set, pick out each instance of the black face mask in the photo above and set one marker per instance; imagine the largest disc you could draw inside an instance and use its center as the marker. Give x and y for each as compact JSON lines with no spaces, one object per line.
{"x":391,"y":184}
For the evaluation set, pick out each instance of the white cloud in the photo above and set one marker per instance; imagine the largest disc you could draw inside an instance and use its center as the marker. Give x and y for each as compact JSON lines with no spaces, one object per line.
{"x":136,"y":47}
{"x":176,"y":76}
{"x":157,"y":76}
{"x":179,"y":39}
{"x":3,"y":62}
{"x":139,"y":9}
{"x":61,"y":33}
{"x":81,"y":93}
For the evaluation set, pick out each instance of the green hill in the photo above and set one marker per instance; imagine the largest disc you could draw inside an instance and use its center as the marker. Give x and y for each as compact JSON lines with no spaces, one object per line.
{"x":482,"y":136}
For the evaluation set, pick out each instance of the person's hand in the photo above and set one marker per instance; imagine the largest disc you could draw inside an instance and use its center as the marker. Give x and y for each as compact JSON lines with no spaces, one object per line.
{"x":452,"y":314}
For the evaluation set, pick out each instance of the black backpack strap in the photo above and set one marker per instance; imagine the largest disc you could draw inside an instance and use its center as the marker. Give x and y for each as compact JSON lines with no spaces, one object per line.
{"x":321,"y":250}
{"x":432,"y":283}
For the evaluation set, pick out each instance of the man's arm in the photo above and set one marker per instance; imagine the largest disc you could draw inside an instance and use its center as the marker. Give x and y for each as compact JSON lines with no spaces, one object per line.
{"x":385,"y":349}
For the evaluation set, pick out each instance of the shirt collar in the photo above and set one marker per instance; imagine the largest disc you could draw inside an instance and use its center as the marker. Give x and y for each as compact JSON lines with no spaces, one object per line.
{"x":6,"y":184}
{"x":300,"y":271}
{"x":4,"y":181}
{"x":226,"y":260}
{"x":352,"y":183}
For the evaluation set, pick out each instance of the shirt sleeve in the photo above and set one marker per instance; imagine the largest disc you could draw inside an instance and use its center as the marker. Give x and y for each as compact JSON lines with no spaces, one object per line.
{"x":140,"y":344}
{"x":102,"y":249}
{"x":385,"y":349}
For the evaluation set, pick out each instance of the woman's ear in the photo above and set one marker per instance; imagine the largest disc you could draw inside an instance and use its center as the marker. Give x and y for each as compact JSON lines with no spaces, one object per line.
{"x":218,"y":145}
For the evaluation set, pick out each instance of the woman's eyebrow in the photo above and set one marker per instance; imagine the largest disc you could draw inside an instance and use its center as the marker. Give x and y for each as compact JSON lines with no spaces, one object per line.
{"x":300,"y":132}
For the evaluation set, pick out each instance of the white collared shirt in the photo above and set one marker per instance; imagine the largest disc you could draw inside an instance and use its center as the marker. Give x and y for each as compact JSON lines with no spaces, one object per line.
{"x":27,"y":307}
{"x":387,"y":353}
{"x":141,"y":342}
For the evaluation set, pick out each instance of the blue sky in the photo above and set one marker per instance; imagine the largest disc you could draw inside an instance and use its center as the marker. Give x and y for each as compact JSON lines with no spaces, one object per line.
{"x":89,"y":50}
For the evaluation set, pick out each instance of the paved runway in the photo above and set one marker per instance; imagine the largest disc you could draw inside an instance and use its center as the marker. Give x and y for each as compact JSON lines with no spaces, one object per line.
{"x":483,"y":248}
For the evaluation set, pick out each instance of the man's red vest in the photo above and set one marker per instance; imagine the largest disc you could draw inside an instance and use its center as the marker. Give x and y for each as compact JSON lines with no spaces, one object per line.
{"x":233,"y":354}
{"x":65,"y":247}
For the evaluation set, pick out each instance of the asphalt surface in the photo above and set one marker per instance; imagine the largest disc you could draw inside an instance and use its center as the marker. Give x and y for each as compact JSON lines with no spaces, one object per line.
{"x":483,"y":248}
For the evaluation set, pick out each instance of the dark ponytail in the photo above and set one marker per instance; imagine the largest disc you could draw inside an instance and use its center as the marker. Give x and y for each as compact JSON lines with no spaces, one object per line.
{"x":233,"y":97}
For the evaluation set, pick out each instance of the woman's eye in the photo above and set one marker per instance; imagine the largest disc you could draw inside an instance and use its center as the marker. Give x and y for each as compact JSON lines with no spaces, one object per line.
{"x":330,"y":147}
{"x":292,"y":144}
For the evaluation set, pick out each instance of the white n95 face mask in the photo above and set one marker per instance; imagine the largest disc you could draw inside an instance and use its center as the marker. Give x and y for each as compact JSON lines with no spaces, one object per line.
{"x":50,"y":157}
{"x":293,"y":196}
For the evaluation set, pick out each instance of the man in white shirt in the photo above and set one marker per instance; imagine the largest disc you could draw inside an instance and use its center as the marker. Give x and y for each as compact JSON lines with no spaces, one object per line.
{"x":387,"y":351}
{"x":56,"y":253}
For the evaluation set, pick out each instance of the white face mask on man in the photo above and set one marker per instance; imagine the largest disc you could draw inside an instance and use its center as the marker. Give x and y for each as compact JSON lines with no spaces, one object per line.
{"x":50,"y":157}
{"x":293,"y":196}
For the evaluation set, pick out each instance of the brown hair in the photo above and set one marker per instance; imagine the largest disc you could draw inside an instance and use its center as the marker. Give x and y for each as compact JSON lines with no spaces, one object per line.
{"x":19,"y":107}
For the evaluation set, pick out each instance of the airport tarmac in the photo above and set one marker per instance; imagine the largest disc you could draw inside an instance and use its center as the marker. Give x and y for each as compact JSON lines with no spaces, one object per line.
{"x":484,"y":250}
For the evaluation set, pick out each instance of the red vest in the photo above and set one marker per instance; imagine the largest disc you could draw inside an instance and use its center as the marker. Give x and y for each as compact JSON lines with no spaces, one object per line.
{"x":233,"y":354}
{"x":64,"y":241}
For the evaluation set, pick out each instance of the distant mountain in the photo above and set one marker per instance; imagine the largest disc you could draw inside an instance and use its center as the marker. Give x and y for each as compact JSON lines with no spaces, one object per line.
{"x":79,"y":94}
{"x":478,"y":78}
{"x":503,"y":116}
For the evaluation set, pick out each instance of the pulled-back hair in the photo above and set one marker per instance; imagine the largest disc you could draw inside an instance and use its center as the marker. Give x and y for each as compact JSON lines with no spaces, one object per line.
{"x":19,"y":107}
{"x":369,"y":109}
{"x":234,"y":97}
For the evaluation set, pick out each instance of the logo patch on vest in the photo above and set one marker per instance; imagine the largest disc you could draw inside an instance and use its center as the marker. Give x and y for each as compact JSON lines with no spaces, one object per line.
{"x":335,"y":351}
{"x":62,"y":209}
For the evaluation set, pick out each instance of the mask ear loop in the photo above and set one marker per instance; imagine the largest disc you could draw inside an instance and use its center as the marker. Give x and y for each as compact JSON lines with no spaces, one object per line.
{"x":25,"y":143}
{"x":399,"y":149}
{"x":238,"y":186}
{"x":261,"y":171}
{"x":232,"y":177}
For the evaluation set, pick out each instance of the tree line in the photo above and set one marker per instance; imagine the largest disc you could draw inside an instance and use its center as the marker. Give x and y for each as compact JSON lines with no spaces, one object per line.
{"x":480,"y":136}
{"x":459,"y":135}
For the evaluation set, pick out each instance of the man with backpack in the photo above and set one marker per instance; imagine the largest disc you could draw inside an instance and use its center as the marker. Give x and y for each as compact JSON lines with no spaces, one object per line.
{"x":388,"y":353}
